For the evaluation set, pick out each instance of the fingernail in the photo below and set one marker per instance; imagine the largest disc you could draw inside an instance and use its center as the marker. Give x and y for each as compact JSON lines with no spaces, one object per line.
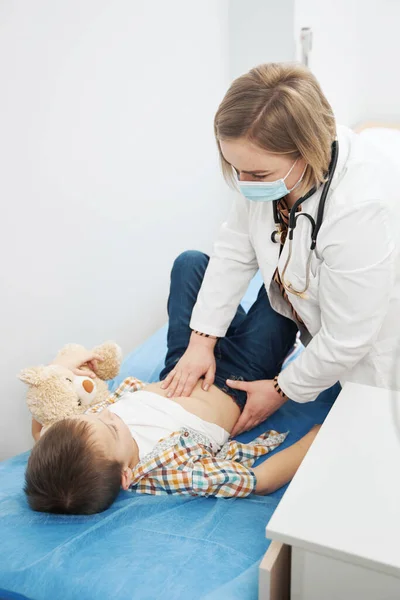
{"x":162,"y":386}
{"x":229,"y":381}
{"x":206,"y":386}
{"x":169,"y":394}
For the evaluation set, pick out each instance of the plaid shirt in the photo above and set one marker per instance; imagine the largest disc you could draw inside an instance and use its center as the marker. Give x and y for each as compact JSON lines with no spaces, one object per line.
{"x":184,"y":463}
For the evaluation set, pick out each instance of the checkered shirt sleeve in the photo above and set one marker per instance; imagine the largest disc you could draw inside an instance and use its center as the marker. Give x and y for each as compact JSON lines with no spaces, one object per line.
{"x":197,"y":476}
{"x":187,"y":467}
{"x":247,"y":454}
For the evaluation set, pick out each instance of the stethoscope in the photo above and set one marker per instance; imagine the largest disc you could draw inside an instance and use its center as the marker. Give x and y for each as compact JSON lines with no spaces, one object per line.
{"x":315,"y":225}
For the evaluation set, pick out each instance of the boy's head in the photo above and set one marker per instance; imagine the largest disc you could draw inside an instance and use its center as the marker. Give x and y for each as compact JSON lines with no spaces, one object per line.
{"x":79,"y":465}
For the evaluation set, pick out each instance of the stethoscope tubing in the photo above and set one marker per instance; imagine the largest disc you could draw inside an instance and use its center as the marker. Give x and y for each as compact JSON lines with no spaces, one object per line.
{"x":315,"y":225}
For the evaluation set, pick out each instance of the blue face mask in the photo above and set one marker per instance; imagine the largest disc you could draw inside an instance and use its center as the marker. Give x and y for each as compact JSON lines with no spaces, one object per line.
{"x":267,"y":191}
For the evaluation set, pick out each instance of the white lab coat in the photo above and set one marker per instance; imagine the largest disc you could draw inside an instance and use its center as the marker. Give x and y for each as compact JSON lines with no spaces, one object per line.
{"x":352,"y":308}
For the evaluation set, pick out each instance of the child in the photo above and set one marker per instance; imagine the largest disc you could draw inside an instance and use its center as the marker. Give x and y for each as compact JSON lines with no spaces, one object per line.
{"x":141,"y":439}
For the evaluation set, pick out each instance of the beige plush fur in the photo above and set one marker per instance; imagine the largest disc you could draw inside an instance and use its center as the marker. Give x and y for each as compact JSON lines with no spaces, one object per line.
{"x":54,"y":392}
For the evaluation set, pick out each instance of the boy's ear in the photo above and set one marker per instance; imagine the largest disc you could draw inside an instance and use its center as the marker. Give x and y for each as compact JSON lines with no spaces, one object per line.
{"x":126,"y":478}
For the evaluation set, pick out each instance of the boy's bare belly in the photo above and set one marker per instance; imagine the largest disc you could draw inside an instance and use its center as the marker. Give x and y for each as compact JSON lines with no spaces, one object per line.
{"x":214,"y":406}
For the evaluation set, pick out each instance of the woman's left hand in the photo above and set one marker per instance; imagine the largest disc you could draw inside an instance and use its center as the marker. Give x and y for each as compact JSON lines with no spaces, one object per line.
{"x":262,"y":401}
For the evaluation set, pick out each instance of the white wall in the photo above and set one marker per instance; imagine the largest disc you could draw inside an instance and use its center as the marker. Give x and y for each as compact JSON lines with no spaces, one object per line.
{"x":381,"y":41}
{"x":108,"y":166}
{"x":108,"y":170}
{"x":260,"y":31}
{"x":356,"y":47}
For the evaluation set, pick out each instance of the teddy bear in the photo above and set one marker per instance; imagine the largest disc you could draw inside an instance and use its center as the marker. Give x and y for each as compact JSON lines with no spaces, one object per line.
{"x":55,"y":392}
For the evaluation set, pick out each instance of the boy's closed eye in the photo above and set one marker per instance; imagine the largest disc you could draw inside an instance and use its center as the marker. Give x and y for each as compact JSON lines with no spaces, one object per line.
{"x":113,"y":429}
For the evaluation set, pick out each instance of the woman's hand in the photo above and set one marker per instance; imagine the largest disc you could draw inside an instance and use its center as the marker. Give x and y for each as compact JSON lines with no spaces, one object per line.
{"x":80,"y":358}
{"x":262,"y":401}
{"x":197,"y":361}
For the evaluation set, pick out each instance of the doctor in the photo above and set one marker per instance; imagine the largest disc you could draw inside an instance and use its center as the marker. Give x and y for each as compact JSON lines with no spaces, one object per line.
{"x":319,"y":215}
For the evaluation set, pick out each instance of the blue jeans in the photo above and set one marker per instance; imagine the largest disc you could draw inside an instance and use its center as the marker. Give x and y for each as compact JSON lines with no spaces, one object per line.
{"x":255,"y":345}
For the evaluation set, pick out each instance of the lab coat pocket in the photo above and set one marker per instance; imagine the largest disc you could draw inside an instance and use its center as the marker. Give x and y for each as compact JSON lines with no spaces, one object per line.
{"x":384,"y":359}
{"x":307,"y":304}
{"x":307,"y":284}
{"x":300,"y":270}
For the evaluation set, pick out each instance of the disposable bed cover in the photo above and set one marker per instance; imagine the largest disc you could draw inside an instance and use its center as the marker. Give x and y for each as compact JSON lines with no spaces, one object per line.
{"x":143,"y":547}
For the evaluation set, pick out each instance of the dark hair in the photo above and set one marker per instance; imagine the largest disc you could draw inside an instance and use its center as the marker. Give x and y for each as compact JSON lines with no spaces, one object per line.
{"x":67,"y":472}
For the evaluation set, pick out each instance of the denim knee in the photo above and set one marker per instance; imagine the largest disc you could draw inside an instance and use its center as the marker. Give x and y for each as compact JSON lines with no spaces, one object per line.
{"x":190,"y":259}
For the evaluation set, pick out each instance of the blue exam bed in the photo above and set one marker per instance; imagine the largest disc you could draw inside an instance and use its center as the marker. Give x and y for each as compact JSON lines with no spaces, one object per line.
{"x":143,"y":547}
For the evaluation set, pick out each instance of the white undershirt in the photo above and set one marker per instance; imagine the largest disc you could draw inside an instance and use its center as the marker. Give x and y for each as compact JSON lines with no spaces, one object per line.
{"x":151,"y":417}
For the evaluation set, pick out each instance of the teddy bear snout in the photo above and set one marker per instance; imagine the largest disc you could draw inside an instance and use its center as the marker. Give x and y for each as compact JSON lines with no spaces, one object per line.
{"x":88,"y":385}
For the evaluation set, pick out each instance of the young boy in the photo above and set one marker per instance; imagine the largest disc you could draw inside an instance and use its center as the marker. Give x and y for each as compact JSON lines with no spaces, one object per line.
{"x":143,"y":440}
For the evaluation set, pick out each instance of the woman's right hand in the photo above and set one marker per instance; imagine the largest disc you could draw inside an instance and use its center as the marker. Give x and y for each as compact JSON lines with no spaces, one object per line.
{"x":197,"y":361}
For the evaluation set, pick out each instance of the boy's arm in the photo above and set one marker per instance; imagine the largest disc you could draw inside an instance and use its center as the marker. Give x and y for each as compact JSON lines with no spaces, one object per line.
{"x":281,"y":468}
{"x":36,"y":429}
{"x":222,"y":477}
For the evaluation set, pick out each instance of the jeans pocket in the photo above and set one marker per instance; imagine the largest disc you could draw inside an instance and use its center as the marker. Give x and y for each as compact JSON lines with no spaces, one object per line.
{"x":236,"y":377}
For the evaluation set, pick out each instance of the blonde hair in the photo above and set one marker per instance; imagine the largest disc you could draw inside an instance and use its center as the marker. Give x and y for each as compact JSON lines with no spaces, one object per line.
{"x":281,"y":108}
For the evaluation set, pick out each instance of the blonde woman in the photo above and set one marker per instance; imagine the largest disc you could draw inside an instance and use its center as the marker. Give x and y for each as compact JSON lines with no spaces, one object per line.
{"x":319,"y":215}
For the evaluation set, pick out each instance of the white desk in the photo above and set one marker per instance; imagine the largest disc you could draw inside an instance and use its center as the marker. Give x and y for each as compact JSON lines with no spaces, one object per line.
{"x":341,"y":513}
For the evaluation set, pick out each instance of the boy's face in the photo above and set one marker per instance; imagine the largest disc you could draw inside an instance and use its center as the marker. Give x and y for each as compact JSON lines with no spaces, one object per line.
{"x":114,"y":437}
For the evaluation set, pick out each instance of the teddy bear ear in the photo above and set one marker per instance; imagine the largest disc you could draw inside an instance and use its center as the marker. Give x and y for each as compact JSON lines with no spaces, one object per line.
{"x":32,"y":376}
